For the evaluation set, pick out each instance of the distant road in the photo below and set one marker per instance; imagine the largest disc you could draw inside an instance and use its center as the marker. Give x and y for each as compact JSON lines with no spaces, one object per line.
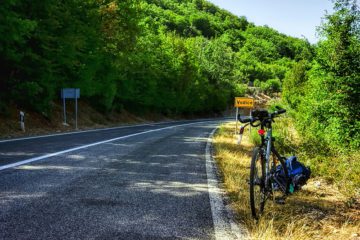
{"x":141,"y":182}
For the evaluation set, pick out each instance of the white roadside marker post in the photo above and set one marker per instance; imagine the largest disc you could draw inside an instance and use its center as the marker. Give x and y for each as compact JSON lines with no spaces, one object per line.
{"x":22,"y":120}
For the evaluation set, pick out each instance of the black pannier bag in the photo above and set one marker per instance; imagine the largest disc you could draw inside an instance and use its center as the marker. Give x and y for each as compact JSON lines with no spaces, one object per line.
{"x":298,"y":173}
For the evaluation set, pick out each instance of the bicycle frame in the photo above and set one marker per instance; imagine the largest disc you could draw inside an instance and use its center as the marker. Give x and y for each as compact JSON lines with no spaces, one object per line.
{"x":267,"y":179}
{"x":267,"y":143}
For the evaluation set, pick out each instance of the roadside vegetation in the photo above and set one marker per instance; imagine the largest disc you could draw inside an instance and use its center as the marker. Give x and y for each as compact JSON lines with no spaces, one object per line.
{"x":327,"y":207}
{"x":322,"y":128}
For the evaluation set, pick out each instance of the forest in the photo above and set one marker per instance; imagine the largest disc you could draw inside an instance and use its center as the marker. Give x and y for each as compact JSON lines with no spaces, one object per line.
{"x":179,"y":57}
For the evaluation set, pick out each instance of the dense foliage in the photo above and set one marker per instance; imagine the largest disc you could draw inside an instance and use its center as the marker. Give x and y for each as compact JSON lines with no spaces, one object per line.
{"x":172,"y":57}
{"x":325,"y":93}
{"x":48,"y":45}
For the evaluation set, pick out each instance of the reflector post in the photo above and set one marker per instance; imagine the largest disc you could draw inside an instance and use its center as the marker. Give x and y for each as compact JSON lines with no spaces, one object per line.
{"x":261,"y":132}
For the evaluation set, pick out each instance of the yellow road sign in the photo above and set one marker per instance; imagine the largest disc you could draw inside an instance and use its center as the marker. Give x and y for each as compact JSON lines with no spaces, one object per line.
{"x":244,"y":102}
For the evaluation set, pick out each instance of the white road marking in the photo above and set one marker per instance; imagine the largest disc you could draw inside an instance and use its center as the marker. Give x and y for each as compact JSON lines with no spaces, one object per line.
{"x":225,"y":228}
{"x":86,"y":131}
{"x":78,"y":132}
{"x":87,"y":146}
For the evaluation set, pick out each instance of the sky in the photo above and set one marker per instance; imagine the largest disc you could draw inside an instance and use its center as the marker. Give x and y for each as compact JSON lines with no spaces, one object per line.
{"x":297,"y":18}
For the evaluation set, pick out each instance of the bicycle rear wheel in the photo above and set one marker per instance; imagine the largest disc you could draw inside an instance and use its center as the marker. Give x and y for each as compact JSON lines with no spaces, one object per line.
{"x":257,"y":183}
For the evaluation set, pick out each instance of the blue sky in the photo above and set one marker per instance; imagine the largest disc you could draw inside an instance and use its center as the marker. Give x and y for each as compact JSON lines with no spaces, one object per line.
{"x":292,"y":17}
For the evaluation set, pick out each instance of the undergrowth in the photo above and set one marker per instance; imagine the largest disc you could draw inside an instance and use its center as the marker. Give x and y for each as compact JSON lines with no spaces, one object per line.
{"x":321,"y":210}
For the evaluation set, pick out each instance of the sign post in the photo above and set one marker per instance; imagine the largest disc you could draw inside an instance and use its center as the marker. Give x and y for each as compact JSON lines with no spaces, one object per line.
{"x":72,"y":93}
{"x":242,"y":102}
{"x":64,"y":107}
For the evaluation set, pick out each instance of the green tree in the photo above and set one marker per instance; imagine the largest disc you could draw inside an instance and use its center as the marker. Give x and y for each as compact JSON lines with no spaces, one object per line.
{"x":331,"y":106}
{"x":15,"y":30}
{"x":294,"y":84}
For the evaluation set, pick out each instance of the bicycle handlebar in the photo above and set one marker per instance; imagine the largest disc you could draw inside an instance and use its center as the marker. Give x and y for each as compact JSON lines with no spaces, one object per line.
{"x":244,"y":119}
{"x":252,"y":119}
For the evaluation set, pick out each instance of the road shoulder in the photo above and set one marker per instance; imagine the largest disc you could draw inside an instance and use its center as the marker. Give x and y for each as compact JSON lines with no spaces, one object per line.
{"x":223,"y":217}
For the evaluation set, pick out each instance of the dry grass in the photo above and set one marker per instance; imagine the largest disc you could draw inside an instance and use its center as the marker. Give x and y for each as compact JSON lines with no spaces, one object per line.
{"x":318,"y":211}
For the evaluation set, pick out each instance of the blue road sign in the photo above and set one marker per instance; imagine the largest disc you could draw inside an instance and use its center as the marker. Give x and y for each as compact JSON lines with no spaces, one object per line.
{"x":70,"y":93}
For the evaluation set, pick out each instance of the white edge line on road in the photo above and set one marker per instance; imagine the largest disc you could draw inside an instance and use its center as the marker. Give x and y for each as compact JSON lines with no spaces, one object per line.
{"x":224,"y":225}
{"x":78,"y":132}
{"x":87,"y":146}
{"x":69,"y":133}
{"x":94,"y":130}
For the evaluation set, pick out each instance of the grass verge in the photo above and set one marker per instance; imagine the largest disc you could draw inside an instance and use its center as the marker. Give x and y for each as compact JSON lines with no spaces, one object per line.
{"x":319,"y":211}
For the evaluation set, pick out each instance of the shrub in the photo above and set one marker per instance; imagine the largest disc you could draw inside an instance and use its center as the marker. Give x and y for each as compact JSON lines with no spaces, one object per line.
{"x":271,"y":86}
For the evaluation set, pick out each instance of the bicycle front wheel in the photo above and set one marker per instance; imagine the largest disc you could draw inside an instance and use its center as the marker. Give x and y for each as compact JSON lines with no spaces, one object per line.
{"x":257,"y":183}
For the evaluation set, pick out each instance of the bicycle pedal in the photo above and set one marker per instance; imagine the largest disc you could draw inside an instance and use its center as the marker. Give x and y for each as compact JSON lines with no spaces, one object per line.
{"x":280,"y":200}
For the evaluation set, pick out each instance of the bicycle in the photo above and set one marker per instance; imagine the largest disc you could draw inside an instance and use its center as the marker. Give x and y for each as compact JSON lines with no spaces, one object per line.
{"x":264,"y":180}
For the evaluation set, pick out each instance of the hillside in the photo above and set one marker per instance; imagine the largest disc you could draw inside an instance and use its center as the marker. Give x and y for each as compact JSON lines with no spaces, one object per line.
{"x":169,"y":57}
{"x":173,"y":57}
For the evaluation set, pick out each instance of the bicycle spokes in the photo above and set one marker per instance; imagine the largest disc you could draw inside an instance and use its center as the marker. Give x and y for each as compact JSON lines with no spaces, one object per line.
{"x":257,"y":186}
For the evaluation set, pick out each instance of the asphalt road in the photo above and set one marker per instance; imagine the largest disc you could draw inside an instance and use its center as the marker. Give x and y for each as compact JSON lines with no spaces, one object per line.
{"x":142,"y":182}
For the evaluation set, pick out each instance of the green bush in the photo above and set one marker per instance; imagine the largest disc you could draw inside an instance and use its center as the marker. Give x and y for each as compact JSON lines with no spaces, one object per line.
{"x":240,"y":90}
{"x":271,"y":86}
{"x":257,"y":83}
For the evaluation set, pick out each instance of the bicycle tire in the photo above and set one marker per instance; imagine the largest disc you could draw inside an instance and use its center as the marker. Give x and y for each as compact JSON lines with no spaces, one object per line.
{"x":257,"y":183}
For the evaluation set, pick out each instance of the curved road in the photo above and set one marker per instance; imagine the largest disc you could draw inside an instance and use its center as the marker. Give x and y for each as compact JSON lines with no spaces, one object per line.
{"x":139,"y":182}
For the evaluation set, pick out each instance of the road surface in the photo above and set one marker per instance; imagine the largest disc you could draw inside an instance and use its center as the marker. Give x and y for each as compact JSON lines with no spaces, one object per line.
{"x":140,"y":182}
